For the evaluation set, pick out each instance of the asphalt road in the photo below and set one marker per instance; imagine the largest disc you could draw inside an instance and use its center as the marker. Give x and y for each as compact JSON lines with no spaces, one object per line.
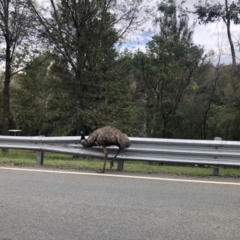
{"x":62,"y":206}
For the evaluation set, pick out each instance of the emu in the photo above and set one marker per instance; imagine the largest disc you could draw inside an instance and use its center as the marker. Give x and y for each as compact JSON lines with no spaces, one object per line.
{"x":106,"y":136}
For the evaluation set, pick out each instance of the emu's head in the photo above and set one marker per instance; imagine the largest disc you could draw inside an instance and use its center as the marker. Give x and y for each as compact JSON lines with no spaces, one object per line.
{"x":82,"y":136}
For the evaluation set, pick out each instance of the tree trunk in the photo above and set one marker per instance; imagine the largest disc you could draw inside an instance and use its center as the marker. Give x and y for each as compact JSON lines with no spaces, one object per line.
{"x":80,"y":95}
{"x":227,"y":22}
{"x":6,"y":97}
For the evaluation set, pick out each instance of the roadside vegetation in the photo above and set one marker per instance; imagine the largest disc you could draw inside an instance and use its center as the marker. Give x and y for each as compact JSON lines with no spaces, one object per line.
{"x":68,"y":162}
{"x":75,"y":78}
{"x":66,"y":72}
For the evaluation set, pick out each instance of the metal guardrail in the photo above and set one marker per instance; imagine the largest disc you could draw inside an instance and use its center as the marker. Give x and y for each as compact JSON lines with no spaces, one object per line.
{"x":202,"y":152}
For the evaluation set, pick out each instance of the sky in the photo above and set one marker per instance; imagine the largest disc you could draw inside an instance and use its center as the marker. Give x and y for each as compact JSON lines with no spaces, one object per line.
{"x":211,"y":36}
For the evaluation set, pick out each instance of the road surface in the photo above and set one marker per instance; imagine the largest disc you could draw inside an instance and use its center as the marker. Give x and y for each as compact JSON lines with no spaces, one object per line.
{"x":48,"y":205}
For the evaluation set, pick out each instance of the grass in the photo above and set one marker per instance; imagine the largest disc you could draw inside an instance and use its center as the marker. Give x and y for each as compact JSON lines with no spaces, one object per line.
{"x":53,"y":160}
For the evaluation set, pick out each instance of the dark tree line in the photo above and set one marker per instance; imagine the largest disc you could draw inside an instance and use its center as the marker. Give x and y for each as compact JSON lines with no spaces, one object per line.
{"x":75,"y":78}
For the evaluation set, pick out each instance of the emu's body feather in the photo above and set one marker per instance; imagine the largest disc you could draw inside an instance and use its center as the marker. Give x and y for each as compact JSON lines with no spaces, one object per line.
{"x":107,"y":136}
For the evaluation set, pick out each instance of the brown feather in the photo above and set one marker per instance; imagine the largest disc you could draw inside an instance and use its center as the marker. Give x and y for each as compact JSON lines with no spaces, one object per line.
{"x":107,"y":136}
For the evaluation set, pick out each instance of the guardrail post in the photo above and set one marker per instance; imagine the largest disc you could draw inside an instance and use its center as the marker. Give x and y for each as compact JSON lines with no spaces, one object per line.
{"x":216,"y":168}
{"x":40,"y":154}
{"x":215,"y":171}
{"x":40,"y":157}
{"x":120,"y":165}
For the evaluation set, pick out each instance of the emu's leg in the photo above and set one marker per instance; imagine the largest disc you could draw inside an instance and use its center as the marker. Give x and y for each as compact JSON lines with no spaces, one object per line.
{"x":105,"y":153}
{"x":111,"y":163}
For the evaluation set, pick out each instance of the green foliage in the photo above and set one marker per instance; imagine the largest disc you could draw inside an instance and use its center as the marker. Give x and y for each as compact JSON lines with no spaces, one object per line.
{"x":174,"y":22}
{"x":212,"y":12}
{"x":228,"y":12}
{"x":48,"y":95}
{"x":17,"y":30}
{"x":171,"y":90}
{"x":29,"y":98}
{"x":84,"y":34}
{"x":166,"y":70}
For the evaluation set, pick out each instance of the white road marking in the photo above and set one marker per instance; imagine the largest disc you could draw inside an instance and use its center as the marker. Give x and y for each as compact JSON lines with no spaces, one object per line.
{"x":121,"y":176}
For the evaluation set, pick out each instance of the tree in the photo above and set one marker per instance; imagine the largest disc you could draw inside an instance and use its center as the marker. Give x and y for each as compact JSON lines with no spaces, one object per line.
{"x":203,"y":103}
{"x":229,"y":13}
{"x":16,"y":31}
{"x":168,"y":68}
{"x":130,"y":73}
{"x":84,"y":33}
{"x":43,"y":99}
{"x":30,"y":91}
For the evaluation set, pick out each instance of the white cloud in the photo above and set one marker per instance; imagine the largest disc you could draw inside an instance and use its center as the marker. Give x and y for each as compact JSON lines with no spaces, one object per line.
{"x":211,"y":36}
{"x":138,"y":42}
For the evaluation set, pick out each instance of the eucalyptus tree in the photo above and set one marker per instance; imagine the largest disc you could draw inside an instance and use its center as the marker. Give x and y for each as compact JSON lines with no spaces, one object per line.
{"x":16,"y":29}
{"x":30,"y":93}
{"x":228,"y":12}
{"x":168,"y":69}
{"x":17,"y":25}
{"x":85,"y":34}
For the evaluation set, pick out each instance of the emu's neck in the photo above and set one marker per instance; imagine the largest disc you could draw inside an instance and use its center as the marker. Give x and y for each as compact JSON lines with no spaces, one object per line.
{"x":84,"y":141}
{"x":87,"y":143}
{"x":82,"y":136}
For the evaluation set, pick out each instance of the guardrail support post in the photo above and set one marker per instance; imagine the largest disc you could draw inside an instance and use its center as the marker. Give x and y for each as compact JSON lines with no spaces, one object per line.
{"x":215,"y":171}
{"x":40,"y":156}
{"x":120,"y":165}
{"x":216,"y":168}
